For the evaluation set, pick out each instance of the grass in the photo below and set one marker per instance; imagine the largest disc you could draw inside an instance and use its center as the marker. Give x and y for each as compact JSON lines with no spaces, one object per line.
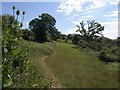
{"x":38,"y":49}
{"x":81,"y":69}
{"x":33,"y":77}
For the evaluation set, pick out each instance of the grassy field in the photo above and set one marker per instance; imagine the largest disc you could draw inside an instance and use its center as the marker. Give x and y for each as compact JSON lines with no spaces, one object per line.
{"x":81,"y":69}
{"x":75,"y":68}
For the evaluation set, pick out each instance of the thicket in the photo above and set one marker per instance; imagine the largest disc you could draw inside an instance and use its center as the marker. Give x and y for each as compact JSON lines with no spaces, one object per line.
{"x":14,"y":59}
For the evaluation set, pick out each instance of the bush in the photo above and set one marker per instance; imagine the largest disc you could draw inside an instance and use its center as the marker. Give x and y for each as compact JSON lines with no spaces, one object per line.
{"x":95,"y":45}
{"x":83,"y":44}
{"x":14,"y":58}
{"x":28,"y":35}
{"x":75,"y":39}
{"x":109,"y":55}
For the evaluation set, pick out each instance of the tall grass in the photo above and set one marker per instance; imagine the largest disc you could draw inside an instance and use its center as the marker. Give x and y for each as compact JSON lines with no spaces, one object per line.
{"x":33,"y":77}
{"x":38,"y":49}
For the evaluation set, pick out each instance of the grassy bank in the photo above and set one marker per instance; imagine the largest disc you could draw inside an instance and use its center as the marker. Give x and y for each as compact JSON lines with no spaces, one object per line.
{"x":81,"y":69}
{"x":39,"y":49}
{"x":33,"y":77}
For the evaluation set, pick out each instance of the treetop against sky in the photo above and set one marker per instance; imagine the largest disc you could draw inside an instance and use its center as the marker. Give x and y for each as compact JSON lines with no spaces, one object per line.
{"x":69,"y":13}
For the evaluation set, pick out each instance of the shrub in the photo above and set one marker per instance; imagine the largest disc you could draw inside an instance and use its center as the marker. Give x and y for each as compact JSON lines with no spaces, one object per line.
{"x":109,"y":55}
{"x":14,"y":58}
{"x":83,"y":44}
{"x":28,"y":35}
{"x":75,"y":39}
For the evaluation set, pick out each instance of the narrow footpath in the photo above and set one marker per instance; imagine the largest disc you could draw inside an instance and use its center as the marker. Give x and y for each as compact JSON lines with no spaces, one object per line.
{"x":55,"y":83}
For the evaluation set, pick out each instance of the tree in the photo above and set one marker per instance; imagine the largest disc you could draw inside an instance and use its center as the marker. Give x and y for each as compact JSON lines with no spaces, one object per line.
{"x":76,"y":39}
{"x":27,"y":35}
{"x":94,"y":30}
{"x":70,"y":36}
{"x":44,"y":27}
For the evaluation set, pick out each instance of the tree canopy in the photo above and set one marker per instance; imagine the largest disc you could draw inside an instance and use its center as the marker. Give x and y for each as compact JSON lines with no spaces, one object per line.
{"x":44,"y":28}
{"x":93,"y":31}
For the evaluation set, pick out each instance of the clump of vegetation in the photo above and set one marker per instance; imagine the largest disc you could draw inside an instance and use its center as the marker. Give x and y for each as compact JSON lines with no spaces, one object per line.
{"x":28,"y":35}
{"x":109,"y":54}
{"x":76,"y":39}
{"x":33,"y":77}
{"x":14,"y":58}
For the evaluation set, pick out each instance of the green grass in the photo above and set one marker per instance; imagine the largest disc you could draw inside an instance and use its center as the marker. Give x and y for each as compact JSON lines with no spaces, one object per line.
{"x":38,"y":49}
{"x":33,"y":77}
{"x":81,"y":69}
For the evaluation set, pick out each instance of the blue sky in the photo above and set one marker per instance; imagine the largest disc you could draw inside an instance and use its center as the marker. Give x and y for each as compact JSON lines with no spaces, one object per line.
{"x":68,"y":13}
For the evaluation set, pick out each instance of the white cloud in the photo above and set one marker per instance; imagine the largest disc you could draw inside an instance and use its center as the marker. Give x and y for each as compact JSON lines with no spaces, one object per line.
{"x":76,"y":22}
{"x":111,"y":14}
{"x":85,"y":18}
{"x":89,"y":17}
{"x":96,"y":4}
{"x":69,"y":6}
{"x":89,"y":11}
{"x":111,"y":29}
{"x":114,"y":3}
{"x":72,"y":31}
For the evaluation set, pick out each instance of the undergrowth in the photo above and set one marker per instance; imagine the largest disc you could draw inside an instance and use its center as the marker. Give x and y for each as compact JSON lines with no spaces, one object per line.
{"x":33,"y":77}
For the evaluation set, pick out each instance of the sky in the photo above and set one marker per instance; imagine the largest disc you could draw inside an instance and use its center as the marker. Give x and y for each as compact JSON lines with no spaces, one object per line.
{"x":69,"y":13}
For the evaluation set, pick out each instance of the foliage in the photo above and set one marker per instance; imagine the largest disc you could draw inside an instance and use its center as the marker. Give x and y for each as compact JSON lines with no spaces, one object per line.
{"x":94,"y":29}
{"x":14,"y":58}
{"x":107,"y":49}
{"x":76,"y":39}
{"x":33,"y":77}
{"x":109,"y":54}
{"x":63,"y":37}
{"x":44,"y":28}
{"x":94,"y":45}
{"x":27,"y":35}
{"x":70,"y":36}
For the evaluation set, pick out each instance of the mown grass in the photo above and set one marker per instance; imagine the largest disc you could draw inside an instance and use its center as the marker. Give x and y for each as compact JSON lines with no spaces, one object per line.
{"x":33,"y":76}
{"x":81,"y":69}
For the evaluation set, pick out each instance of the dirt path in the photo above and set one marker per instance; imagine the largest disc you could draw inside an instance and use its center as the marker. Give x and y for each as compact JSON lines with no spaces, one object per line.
{"x":55,"y":83}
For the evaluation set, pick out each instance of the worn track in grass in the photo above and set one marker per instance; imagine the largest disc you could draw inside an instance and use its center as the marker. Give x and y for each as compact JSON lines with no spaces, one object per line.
{"x":55,"y":83}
